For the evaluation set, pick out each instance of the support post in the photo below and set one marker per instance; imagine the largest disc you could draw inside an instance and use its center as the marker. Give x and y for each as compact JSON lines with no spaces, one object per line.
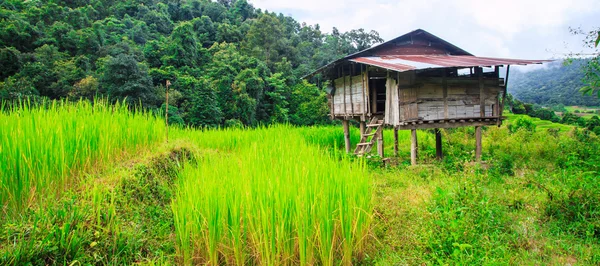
{"x":504,"y":92}
{"x":395,"y":141}
{"x":478,"y":144}
{"x":346,"y":125}
{"x":363,"y":128}
{"x":380,"y":144}
{"x":414,"y":146}
{"x":438,"y":144}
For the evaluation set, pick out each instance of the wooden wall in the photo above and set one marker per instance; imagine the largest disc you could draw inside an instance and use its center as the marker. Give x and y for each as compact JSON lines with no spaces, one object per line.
{"x":410,"y":97}
{"x":455,"y":98}
{"x":350,"y":96}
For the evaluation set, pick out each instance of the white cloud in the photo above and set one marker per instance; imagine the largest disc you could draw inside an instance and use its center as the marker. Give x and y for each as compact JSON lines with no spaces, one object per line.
{"x":502,"y":28}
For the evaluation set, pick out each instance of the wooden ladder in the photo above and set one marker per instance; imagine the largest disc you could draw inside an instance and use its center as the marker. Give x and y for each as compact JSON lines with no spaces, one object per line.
{"x":367,"y":140}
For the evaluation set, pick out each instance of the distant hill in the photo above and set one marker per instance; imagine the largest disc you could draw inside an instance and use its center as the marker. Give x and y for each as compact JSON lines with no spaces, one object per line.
{"x":556,"y":84}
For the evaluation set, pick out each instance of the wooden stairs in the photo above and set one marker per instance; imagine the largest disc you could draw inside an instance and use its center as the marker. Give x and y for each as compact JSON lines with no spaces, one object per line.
{"x":373,"y":130}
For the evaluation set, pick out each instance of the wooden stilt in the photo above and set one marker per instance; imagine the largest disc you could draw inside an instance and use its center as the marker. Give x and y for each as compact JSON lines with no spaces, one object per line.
{"x":414,"y":146}
{"x":363,"y":127}
{"x":478,"y":144}
{"x":438,"y":144}
{"x":346,"y":125}
{"x":395,"y":142}
{"x":380,"y":145}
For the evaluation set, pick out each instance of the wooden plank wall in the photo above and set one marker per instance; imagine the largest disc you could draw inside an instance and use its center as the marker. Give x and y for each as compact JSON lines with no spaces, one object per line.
{"x":392,"y":105}
{"x":463,"y":100}
{"x":348,"y":98}
{"x":408,"y":96}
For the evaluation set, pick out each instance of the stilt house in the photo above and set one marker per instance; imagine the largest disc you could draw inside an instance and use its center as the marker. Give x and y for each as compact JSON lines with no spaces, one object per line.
{"x":416,"y":81}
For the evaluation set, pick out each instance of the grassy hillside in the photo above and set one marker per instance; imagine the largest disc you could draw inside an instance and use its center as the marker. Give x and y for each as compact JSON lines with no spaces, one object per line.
{"x":288,"y":195}
{"x":539,"y":123}
{"x":583,"y":111}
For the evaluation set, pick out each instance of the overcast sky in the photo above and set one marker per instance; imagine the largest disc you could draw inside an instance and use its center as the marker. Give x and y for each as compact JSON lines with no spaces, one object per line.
{"x":527,"y":29}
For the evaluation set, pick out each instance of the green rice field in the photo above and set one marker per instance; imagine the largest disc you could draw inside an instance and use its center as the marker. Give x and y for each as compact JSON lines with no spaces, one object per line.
{"x":98,"y":184}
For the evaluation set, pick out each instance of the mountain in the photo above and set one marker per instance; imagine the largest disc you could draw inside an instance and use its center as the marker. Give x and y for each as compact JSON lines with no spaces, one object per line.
{"x":556,"y":84}
{"x":228,"y":62}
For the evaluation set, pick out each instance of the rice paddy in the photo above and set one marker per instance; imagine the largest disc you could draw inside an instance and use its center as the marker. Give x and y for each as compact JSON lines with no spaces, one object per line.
{"x":271,"y":201}
{"x":263,"y":196}
{"x":92,"y":183}
{"x":44,"y":148}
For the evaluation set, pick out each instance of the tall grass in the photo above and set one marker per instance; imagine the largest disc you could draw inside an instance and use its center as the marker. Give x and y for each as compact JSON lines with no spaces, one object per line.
{"x":44,"y":147}
{"x":275,"y":200}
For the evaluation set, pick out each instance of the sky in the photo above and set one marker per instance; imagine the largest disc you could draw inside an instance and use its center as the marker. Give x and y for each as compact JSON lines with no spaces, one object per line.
{"x":524,"y":29}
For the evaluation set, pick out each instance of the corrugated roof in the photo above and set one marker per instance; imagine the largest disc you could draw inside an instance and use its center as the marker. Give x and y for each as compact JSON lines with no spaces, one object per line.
{"x":402,"y":63}
{"x":420,"y":49}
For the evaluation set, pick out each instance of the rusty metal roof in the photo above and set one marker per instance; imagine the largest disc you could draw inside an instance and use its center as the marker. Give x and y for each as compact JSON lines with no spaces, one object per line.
{"x":418,"y":50}
{"x":403,"y":63}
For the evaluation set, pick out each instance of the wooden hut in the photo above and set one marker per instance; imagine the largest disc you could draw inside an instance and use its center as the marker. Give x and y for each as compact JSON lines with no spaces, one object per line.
{"x":416,"y":81}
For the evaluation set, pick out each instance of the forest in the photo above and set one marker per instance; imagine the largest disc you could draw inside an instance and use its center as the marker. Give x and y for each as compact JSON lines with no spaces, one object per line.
{"x":557,"y":83}
{"x":229,"y":63}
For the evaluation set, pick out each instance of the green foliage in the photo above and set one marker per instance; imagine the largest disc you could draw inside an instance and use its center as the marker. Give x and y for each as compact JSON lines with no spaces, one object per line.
{"x":465,"y":218}
{"x":199,"y":105}
{"x":11,"y":62}
{"x":245,"y":61}
{"x":246,"y":197}
{"x":87,"y":88}
{"x":557,"y":83}
{"x":269,"y":210}
{"x":125,"y":78}
{"x":592,"y":123}
{"x":16,"y":89}
{"x":576,"y":209}
{"x":308,"y":105}
{"x":591,"y":69}
{"x":522,"y":123}
{"x":63,"y":140}
{"x":572,"y":119}
{"x":102,"y":224}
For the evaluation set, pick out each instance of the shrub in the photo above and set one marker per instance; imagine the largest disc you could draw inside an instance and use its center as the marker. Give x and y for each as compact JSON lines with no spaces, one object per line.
{"x":503,"y":165}
{"x":596,"y":130}
{"x":569,"y":118}
{"x":524,"y":123}
{"x":234,"y":123}
{"x":577,"y":210}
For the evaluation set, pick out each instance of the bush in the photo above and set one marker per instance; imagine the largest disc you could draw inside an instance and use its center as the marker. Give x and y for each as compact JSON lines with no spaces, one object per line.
{"x":524,"y":123}
{"x":577,"y":210}
{"x":453,"y":237}
{"x":234,"y":123}
{"x":596,"y":130}
{"x":569,"y":118}
{"x":592,"y":123}
{"x":504,"y":165}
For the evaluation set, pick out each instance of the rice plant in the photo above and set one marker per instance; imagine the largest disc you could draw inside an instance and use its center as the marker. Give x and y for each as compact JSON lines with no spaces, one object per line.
{"x":275,"y":200}
{"x":44,"y":148}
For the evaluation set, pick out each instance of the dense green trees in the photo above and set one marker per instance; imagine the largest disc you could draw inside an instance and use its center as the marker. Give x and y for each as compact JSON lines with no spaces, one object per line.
{"x":591,"y":69}
{"x":555,"y":84}
{"x":229,"y":62}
